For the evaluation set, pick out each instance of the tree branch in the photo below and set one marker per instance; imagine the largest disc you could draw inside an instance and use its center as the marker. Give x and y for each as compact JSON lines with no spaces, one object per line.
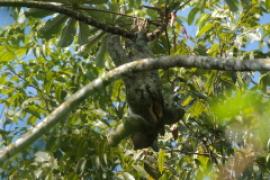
{"x":58,"y":7}
{"x":188,"y":153}
{"x":136,"y":66}
{"x":117,"y":14}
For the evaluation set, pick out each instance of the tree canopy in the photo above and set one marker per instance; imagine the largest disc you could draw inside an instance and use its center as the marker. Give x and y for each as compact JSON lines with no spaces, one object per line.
{"x":125,"y":89}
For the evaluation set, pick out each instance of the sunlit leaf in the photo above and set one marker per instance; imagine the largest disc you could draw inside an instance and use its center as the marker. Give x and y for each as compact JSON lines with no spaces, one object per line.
{"x":197,"y":108}
{"x":214,"y":50}
{"x":192,"y":15}
{"x":8,"y":53}
{"x":127,"y":176}
{"x":187,"y":101}
{"x":207,"y":27}
{"x":235,"y":104}
{"x":267,"y":4}
{"x":42,"y":156}
{"x":202,"y":20}
{"x":161,"y":160}
{"x":140,"y":170}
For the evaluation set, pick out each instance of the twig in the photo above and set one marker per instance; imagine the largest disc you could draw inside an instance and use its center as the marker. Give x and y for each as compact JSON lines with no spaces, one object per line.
{"x":189,"y":153}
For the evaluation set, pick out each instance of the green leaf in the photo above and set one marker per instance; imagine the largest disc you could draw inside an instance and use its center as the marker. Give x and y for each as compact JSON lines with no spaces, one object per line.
{"x":127,"y":176}
{"x":187,"y":101}
{"x":192,"y":15}
{"x":140,"y":170}
{"x":20,"y":52}
{"x":100,"y":58}
{"x":32,"y":109}
{"x":267,"y":4}
{"x":240,"y":102}
{"x":197,"y":108}
{"x":84,"y":33}
{"x":52,"y":26}
{"x":210,"y":83}
{"x":42,"y":157}
{"x":202,"y":20}
{"x":214,"y":50}
{"x":68,"y":33}
{"x":264,"y":81}
{"x":161,"y":160}
{"x":60,"y":93}
{"x":8,"y":53}
{"x":85,"y":49}
{"x":38,"y":13}
{"x":205,"y":29}
{"x":97,"y":1}
{"x":233,"y":4}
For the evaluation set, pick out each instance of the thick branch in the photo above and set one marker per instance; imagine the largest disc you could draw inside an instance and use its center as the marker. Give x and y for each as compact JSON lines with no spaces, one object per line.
{"x":207,"y":63}
{"x":136,"y":66}
{"x":58,"y":7}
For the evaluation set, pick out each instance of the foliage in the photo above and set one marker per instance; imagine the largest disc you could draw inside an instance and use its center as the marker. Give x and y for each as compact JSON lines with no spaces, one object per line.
{"x":45,"y":57}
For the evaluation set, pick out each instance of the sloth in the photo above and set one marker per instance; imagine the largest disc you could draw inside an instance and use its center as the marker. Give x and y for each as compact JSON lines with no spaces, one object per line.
{"x":147,"y":112}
